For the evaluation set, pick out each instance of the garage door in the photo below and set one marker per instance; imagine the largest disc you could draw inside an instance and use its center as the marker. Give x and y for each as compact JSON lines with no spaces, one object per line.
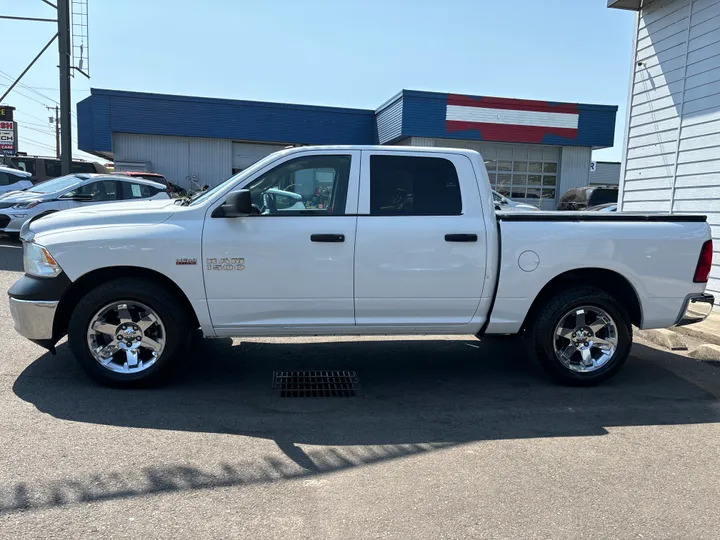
{"x":523,"y":173}
{"x":245,"y":154}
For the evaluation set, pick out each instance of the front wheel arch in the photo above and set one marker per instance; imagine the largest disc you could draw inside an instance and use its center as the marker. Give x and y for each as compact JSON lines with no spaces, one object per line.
{"x":89,"y":281}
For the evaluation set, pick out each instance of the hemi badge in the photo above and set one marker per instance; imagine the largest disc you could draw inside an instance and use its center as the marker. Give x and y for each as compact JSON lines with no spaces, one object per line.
{"x":185,"y":261}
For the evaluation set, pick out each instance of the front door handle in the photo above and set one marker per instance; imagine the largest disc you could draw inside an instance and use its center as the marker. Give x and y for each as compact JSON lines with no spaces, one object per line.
{"x":327,"y":237}
{"x":461,"y":237}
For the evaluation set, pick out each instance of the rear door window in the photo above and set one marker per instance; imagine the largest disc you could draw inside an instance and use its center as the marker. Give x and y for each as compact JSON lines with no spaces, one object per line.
{"x":132,"y":190}
{"x":413,"y":186}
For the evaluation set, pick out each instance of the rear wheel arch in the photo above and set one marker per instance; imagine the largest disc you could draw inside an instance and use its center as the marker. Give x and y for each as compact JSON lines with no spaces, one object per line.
{"x":613,"y":283}
{"x":87,"y":282}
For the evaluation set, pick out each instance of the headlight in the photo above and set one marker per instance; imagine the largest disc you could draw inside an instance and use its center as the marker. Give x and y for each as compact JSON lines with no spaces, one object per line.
{"x":27,"y":205}
{"x":38,"y":261}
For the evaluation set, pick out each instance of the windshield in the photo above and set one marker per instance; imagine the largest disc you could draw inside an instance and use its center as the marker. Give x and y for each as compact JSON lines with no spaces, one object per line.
{"x":205,"y":195}
{"x":56,"y":184}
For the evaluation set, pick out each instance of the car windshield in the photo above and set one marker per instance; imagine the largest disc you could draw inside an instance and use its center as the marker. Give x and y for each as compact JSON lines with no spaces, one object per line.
{"x":205,"y":195}
{"x":56,"y":184}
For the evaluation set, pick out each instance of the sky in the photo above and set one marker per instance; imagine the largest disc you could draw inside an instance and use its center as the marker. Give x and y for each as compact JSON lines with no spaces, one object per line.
{"x":350,"y":53}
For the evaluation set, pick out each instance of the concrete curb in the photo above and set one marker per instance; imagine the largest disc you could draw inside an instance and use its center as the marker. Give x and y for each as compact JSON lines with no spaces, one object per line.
{"x":698,"y":333}
{"x":663,"y":338}
{"x":706,"y":352}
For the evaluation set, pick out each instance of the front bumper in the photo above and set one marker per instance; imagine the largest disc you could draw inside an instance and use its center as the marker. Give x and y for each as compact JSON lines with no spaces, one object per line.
{"x":696,"y":309}
{"x":12,"y":224}
{"x":34,"y":319}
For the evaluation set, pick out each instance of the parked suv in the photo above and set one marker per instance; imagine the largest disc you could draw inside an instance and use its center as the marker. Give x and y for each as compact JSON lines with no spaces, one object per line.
{"x":45,"y":168}
{"x":584,"y":197}
{"x":13,"y":180}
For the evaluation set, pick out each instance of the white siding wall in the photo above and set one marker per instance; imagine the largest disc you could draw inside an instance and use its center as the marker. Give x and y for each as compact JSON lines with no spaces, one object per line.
{"x":210,"y":160}
{"x":672,"y":153}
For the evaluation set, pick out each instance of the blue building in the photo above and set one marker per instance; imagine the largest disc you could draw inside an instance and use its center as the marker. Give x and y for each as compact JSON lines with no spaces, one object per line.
{"x":534,"y":150}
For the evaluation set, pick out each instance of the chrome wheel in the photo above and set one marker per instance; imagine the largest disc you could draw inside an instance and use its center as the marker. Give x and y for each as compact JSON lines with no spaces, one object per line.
{"x":126,"y":337}
{"x":585,"y":339}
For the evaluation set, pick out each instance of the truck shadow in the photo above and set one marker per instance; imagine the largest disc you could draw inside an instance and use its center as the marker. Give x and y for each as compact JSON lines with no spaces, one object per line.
{"x":417,"y":396}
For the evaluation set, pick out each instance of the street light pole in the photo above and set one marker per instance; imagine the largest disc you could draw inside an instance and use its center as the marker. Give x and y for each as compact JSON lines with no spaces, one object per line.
{"x":63,"y":7}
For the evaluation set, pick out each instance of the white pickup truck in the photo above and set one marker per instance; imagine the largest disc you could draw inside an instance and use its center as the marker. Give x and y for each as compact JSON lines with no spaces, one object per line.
{"x":389,"y":240}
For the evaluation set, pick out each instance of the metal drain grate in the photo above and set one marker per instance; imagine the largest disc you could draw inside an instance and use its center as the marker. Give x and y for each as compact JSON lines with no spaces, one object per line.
{"x":310,"y":383}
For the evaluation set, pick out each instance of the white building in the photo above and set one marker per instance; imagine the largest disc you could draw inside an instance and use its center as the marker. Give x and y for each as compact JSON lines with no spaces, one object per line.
{"x":671,"y":153}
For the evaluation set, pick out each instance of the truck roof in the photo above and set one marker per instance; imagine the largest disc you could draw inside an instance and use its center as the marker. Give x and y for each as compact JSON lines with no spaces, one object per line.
{"x":428,"y":149}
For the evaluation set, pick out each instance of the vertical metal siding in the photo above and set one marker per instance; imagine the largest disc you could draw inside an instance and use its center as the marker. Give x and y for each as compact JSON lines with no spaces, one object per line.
{"x":389,"y":121}
{"x":178,"y":157}
{"x":574,"y":168}
{"x":673,"y":140}
{"x":605,"y":173}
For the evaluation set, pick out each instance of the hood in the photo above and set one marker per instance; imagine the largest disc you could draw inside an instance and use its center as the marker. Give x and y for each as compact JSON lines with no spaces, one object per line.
{"x":23,"y":196}
{"x":521,"y":207}
{"x":102,"y":215}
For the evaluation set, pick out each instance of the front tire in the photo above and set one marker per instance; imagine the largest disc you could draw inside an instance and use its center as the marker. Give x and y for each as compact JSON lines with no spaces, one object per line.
{"x":129,"y":332}
{"x":581,"y":336}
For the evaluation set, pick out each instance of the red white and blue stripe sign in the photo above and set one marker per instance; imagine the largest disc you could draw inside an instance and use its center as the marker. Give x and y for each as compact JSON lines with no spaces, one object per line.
{"x":511,"y":120}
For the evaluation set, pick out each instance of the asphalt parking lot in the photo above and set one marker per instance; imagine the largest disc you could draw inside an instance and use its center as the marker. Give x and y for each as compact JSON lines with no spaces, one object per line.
{"x":450,"y":438}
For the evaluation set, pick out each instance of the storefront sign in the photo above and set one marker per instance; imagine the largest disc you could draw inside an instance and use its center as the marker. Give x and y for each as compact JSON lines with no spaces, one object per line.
{"x":7,"y":137}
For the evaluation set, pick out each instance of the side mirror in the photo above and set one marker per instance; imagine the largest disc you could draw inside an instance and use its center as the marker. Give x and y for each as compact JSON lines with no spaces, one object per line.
{"x":237,"y":204}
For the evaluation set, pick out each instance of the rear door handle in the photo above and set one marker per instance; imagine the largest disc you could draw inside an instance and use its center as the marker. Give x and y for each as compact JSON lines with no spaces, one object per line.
{"x":327,"y":237}
{"x":461,"y":237}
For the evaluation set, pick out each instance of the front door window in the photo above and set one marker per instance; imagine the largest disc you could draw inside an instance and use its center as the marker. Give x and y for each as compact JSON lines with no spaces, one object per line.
{"x":313,"y":185}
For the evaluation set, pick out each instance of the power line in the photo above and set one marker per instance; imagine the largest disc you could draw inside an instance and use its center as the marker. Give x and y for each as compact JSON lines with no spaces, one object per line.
{"x":11,"y":78}
{"x":38,"y":130}
{"x":23,"y":123}
{"x":37,"y":143}
{"x":30,"y":98}
{"x":28,"y":114}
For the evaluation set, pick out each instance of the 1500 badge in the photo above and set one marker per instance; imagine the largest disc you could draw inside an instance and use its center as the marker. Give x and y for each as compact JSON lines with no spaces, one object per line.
{"x":232,"y":263}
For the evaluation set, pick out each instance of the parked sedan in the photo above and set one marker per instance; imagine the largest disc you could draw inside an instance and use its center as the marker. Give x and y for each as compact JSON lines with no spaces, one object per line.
{"x":503,"y":203}
{"x":72,"y":191}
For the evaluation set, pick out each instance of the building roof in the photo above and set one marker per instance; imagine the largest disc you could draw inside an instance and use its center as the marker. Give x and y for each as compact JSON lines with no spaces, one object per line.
{"x":409,"y":113}
{"x":633,"y":5}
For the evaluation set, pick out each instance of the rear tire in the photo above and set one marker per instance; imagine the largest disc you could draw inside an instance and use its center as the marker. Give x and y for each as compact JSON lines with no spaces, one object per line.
{"x":581,"y":354}
{"x":155,"y":336}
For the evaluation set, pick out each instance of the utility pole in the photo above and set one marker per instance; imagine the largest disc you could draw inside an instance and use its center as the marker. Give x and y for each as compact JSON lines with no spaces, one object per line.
{"x":63,"y":9}
{"x":56,"y":121}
